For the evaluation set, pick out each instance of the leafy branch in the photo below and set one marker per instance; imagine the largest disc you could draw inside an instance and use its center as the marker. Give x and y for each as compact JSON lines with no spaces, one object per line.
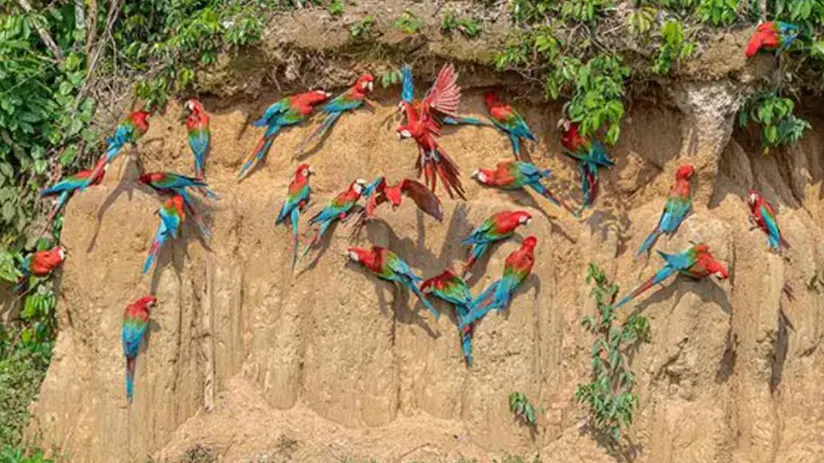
{"x":523,"y":410}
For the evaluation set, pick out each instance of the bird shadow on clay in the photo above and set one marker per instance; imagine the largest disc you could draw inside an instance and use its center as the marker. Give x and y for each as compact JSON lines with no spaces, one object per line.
{"x":127,"y":184}
{"x":320,"y":248}
{"x":683,"y":285}
{"x":625,"y":451}
{"x":171,"y":253}
{"x":317,"y":145}
{"x":523,"y":198}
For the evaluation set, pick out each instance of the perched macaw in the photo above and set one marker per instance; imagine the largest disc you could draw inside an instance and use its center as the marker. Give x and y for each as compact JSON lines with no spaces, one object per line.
{"x":349,"y":100}
{"x":496,"y":227}
{"x":450,"y":287}
{"x":497,"y":295}
{"x":676,"y":208}
{"x":169,"y":182}
{"x":171,"y":216}
{"x":772,"y":36}
{"x":517,"y":175}
{"x":337,"y":209}
{"x":377,"y":193}
{"x":288,"y":111}
{"x":763,"y":216}
{"x":425,"y":125}
{"x":590,"y":154}
{"x":508,"y":121}
{"x":197,"y":126}
{"x":39,"y":264}
{"x":696,"y":262}
{"x":128,"y":131}
{"x":66,"y":187}
{"x":135,"y":325}
{"x":297,"y":200}
{"x":409,"y":103}
{"x":388,"y":266}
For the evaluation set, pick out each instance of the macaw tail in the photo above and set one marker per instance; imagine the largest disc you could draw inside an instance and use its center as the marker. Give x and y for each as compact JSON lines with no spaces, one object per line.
{"x":448,"y":172}
{"x":461,"y":120}
{"x":503,"y":294}
{"x":647,"y":244}
{"x":466,"y":344}
{"x":412,"y":286}
{"x":58,"y":205}
{"x":589,"y":184}
{"x":259,"y":152}
{"x":480,"y":306}
{"x":130,"y":362}
{"x":516,"y":145}
{"x":200,"y":172}
{"x":315,"y":239}
{"x":160,"y":238}
{"x":326,"y":125}
{"x":784,"y":243}
{"x":294,"y":218}
{"x":661,"y":275}
{"x":97,"y":170}
{"x":475,"y":253}
{"x":544,"y":191}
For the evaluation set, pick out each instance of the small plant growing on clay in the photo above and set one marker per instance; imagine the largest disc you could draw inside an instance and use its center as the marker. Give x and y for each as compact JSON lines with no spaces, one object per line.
{"x":718,"y":12}
{"x":468,"y":27}
{"x":362,"y":29}
{"x":779,"y":126}
{"x":390,"y":78}
{"x":523,"y":410}
{"x":609,"y":394}
{"x":640,"y":20}
{"x":335,"y":8}
{"x":408,"y":23}
{"x":675,"y":47}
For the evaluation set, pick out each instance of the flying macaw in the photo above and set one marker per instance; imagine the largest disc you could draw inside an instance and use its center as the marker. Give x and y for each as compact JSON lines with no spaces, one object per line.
{"x":425,"y":125}
{"x":678,"y":205}
{"x":171,"y":216}
{"x":696,"y":262}
{"x":337,"y":209}
{"x":508,"y":121}
{"x":347,"y":101}
{"x":66,"y":187}
{"x":297,"y":200}
{"x":772,"y":36}
{"x":450,"y":287}
{"x":517,"y":175}
{"x":128,"y":131}
{"x":169,"y":182}
{"x":761,"y":213}
{"x":39,"y":264}
{"x":409,"y":103}
{"x":377,"y":193}
{"x":497,"y":295}
{"x":135,"y":325}
{"x":590,"y":154}
{"x":496,"y":227}
{"x":197,"y":126}
{"x":288,"y":111}
{"x":388,"y":266}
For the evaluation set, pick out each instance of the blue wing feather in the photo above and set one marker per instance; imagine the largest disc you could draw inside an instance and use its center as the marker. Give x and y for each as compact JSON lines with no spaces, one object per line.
{"x":408,"y":92}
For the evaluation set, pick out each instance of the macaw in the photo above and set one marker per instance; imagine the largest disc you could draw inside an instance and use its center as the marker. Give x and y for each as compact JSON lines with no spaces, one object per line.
{"x":39,"y":264}
{"x":171,"y":216}
{"x":288,"y":111}
{"x":763,"y":216}
{"x":409,"y":103}
{"x":450,"y":287}
{"x":425,"y":125}
{"x":496,"y":227}
{"x":197,"y":126}
{"x":377,"y":193}
{"x":591,"y":155}
{"x":696,"y":262}
{"x":337,"y":209}
{"x":678,"y":205}
{"x":347,"y":101}
{"x":497,"y":295}
{"x":128,"y":131}
{"x":66,"y":187}
{"x":508,"y":121}
{"x":135,"y":325}
{"x":169,"y":182}
{"x":388,"y":266}
{"x":297,"y":200}
{"x":772,"y":35}
{"x":517,"y":175}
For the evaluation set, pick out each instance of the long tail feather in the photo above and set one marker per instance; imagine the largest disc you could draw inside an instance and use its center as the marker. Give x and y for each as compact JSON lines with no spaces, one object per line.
{"x":516,"y":145}
{"x":130,"y":364}
{"x":326,"y":125}
{"x":647,"y":244}
{"x":412,"y":286}
{"x":480,"y":306}
{"x":160,"y":238}
{"x":294,"y":218}
{"x":466,"y":344}
{"x":461,"y":120}
{"x":474,"y":254}
{"x":259,"y":152}
{"x":659,"y":276}
{"x":544,"y":191}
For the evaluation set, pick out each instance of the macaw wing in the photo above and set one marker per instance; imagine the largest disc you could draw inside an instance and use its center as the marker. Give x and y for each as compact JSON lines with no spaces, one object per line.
{"x":408,"y":90}
{"x":199,"y":140}
{"x":68,"y":184}
{"x":674,"y":212}
{"x":480,"y":234}
{"x":426,"y":200}
{"x":375,"y":194}
{"x":331,"y":211}
{"x":170,"y":219}
{"x":445,"y":94}
{"x":293,"y":201}
{"x":342,"y":103}
{"x":769,"y":220}
{"x":122,"y":134}
{"x":272,"y":112}
{"x":598,"y":155}
{"x":678,"y":261}
{"x":399,"y":267}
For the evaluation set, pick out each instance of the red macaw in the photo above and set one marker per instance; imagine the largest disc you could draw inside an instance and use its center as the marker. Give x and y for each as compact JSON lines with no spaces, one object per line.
{"x":763,"y":216}
{"x":508,"y":121}
{"x":171,"y":217}
{"x":128,"y":131}
{"x":197,"y":127}
{"x":517,"y":175}
{"x":450,"y":287}
{"x":377,"y":193}
{"x":590,"y":154}
{"x":135,"y":325}
{"x":66,"y":187}
{"x":409,"y":103}
{"x":772,"y":35}
{"x":337,"y":209}
{"x":496,"y":227}
{"x":297,"y":200}
{"x":676,"y":208}
{"x":39,"y":264}
{"x":176,"y":184}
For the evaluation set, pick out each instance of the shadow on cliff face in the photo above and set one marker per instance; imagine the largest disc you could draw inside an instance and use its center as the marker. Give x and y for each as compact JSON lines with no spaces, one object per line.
{"x":709,"y":292}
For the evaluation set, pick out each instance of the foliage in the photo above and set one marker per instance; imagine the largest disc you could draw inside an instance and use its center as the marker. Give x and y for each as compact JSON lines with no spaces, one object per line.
{"x":468,"y":27}
{"x":362,"y":29}
{"x":22,"y":369}
{"x":390,"y":78}
{"x":523,"y":410}
{"x":640,"y":20}
{"x":779,"y":126}
{"x":718,"y":12}
{"x":408,"y":23}
{"x":9,"y":454}
{"x":609,"y":394}
{"x":674,"y":48}
{"x":582,"y":10}
{"x":335,"y":8}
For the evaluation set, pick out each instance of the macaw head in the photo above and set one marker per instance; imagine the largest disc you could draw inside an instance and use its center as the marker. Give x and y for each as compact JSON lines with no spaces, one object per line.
{"x":358,"y":254}
{"x":192,"y":106}
{"x":61,"y":253}
{"x":365,"y":83}
{"x":752,"y":198}
{"x":147,"y":302}
{"x":529,"y":242}
{"x":482,"y":175}
{"x":304,"y":170}
{"x":150,"y":178}
{"x":490,"y":99}
{"x":358,"y":186}
{"x":685,"y":172}
{"x":523,"y":217}
{"x":141,"y":118}
{"x":404,"y":131}
{"x":563,"y":124}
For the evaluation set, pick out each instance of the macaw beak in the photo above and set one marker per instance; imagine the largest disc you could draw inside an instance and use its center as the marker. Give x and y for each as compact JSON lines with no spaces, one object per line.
{"x":370,"y":85}
{"x":475,"y":174}
{"x":561,"y":124}
{"x":352,"y":255}
{"x":311,"y":171}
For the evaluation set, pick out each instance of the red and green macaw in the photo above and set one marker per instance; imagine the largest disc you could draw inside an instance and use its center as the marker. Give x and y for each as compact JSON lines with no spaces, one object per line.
{"x":590,"y":154}
{"x":677,"y":207}
{"x":496,"y":227}
{"x":171,"y":183}
{"x":135,"y":325}
{"x":497,"y":295}
{"x":450,"y":287}
{"x":508,"y":121}
{"x":695,"y":262}
{"x":337,"y":209}
{"x":761,"y":213}
{"x":297,"y":200}
{"x":66,"y":187}
{"x":517,"y":175}
{"x":39,"y":264}
{"x":128,"y":131}
{"x":388,"y":266}
{"x":171,"y":217}
{"x":377,"y":193}
{"x":409,"y":103}
{"x":772,"y":36}
{"x":288,"y":111}
{"x":424,"y":125}
{"x":349,"y":100}
{"x":197,"y":127}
